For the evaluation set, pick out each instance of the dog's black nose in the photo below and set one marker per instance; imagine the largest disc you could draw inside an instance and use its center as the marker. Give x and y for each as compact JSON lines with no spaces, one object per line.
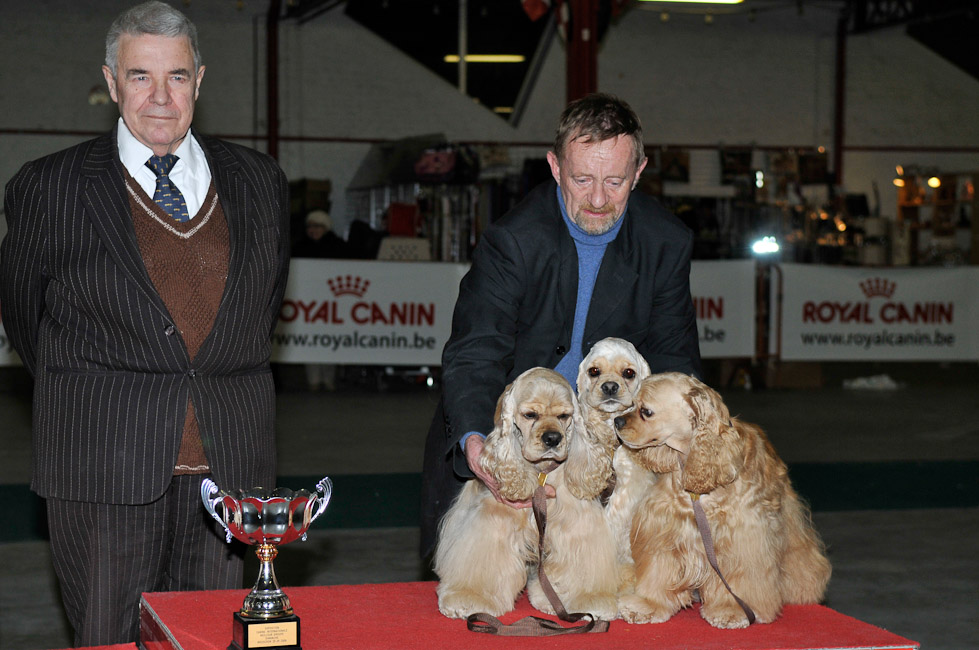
{"x":551,"y":438}
{"x":619,"y":422}
{"x":610,"y":388}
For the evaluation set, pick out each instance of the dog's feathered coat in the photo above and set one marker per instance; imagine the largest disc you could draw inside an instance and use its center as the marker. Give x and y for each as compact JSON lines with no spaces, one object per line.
{"x":608,"y":378}
{"x":682,"y":433}
{"x":487,"y":551}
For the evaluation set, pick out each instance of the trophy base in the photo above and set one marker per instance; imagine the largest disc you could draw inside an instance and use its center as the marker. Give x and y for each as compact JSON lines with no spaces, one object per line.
{"x":265,"y":634}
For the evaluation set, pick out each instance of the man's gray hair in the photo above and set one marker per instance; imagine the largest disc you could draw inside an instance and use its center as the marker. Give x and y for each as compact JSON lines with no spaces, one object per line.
{"x":596,"y":118}
{"x":154,"y":18}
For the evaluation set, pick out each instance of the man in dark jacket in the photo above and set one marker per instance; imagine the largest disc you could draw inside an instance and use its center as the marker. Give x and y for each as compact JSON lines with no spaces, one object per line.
{"x":580,"y":259}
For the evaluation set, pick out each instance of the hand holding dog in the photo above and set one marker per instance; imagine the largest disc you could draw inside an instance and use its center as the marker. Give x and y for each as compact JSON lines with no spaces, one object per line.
{"x":474,"y":447}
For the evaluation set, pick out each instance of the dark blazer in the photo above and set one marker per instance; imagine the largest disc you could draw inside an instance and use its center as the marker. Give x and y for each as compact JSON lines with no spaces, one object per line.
{"x":112,"y":373}
{"x":516,"y":310}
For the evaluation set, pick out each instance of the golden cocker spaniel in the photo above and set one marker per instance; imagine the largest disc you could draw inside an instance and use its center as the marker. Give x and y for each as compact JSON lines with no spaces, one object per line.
{"x":682,"y":434}
{"x":487,"y":551}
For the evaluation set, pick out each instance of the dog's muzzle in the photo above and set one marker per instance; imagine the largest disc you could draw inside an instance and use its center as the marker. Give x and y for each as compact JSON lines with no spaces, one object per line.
{"x":551,"y":438}
{"x":610,"y":388}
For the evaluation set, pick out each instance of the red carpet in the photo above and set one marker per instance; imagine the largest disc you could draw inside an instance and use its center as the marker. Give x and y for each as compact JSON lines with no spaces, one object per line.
{"x":405,"y":615}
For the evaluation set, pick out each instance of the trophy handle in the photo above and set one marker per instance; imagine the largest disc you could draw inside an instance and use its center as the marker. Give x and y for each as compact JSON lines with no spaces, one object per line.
{"x":325,"y":488}
{"x":210,"y":495}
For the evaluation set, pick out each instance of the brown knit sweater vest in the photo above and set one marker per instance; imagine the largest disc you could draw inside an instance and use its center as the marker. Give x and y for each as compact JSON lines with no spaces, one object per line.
{"x":188,"y":264}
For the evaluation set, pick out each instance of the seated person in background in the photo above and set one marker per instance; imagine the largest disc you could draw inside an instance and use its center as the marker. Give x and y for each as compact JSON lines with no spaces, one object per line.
{"x":320,"y":240}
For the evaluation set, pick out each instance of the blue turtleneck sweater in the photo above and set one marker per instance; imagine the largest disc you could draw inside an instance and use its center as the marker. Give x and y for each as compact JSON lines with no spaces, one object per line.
{"x":591,"y":250}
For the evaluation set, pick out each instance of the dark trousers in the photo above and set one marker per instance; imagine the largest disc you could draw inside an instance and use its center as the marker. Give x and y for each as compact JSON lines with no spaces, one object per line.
{"x":107,"y":555}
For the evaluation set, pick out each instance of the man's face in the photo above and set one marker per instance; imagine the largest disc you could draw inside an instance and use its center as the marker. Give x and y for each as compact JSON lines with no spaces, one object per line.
{"x":596,"y":179}
{"x":155,"y":85}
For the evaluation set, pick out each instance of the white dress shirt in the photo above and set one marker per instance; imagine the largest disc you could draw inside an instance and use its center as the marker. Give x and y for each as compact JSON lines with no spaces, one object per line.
{"x":190,"y":174}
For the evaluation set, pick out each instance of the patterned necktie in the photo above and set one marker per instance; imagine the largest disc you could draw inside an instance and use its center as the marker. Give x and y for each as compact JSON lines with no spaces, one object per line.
{"x":167,"y":196}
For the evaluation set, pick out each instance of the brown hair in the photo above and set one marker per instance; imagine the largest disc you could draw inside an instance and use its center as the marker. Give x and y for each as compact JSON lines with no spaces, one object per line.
{"x":595,"y":118}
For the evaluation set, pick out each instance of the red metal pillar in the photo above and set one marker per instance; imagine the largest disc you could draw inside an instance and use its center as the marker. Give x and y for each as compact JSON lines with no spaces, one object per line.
{"x":582,"y":53}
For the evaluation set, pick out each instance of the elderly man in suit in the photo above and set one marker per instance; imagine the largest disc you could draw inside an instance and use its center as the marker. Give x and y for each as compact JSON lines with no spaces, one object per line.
{"x":580,"y":259}
{"x":140,"y":279}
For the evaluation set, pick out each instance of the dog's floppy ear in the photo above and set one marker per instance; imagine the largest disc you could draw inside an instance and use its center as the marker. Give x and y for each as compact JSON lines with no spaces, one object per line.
{"x":582,"y":381}
{"x":502,"y":457}
{"x":589,"y":465}
{"x":717,"y":451}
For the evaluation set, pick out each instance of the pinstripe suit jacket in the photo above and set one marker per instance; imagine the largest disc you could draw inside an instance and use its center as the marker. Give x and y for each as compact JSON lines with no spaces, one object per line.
{"x":112,"y":374}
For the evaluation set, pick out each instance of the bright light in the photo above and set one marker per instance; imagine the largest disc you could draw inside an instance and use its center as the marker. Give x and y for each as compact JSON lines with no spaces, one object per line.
{"x":759,"y":179}
{"x":486,"y":58}
{"x":765,"y":246}
{"x":934,"y":181}
{"x":899,"y":182}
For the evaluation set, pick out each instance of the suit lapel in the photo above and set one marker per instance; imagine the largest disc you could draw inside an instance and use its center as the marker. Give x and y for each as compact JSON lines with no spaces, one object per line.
{"x":234,"y":195}
{"x":107,"y":205}
{"x":615,"y":281}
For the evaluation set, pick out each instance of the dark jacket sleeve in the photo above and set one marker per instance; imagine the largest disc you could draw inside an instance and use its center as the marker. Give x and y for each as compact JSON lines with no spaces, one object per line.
{"x":22,"y":264}
{"x":479,"y":353}
{"x":673,"y":344}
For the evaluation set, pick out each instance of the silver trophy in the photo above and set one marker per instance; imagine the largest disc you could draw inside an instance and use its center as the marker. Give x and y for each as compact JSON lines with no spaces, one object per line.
{"x":267,"y":519}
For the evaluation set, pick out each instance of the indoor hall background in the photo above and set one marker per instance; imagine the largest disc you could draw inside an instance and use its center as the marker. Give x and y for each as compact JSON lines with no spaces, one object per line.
{"x":892,"y":476}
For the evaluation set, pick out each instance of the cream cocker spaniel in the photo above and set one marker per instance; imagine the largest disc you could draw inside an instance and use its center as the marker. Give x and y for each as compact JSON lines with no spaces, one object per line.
{"x":608,"y":378}
{"x":487,"y":551}
{"x":682,"y":433}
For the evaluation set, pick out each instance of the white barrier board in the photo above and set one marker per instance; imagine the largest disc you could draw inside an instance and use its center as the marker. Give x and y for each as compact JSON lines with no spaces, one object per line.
{"x":366,"y":312}
{"x":877,"y":314}
{"x":724,"y":298}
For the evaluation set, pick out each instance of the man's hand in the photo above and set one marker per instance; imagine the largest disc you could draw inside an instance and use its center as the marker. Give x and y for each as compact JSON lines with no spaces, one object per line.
{"x":474,"y":447}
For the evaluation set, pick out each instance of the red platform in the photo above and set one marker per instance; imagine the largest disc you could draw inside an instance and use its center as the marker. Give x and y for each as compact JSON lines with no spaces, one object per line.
{"x":405,"y":615}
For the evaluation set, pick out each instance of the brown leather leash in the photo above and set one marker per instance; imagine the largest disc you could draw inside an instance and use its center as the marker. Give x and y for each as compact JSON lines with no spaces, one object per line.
{"x":698,"y":512}
{"x":534,"y":625}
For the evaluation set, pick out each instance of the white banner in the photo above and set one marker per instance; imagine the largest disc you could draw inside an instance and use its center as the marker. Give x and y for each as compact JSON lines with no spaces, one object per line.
{"x":366,"y":312}
{"x":400,"y":313}
{"x":724,"y":298}
{"x":871,"y":314}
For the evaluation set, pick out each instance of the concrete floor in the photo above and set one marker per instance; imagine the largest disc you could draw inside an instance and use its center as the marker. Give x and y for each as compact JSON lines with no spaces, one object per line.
{"x":911,"y":571}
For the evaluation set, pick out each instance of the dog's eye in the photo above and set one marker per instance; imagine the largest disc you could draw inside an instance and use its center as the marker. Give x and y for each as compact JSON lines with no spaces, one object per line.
{"x":530,"y":415}
{"x":645,"y":412}
{"x":594,"y":372}
{"x":629,"y":373}
{"x":564,"y":416}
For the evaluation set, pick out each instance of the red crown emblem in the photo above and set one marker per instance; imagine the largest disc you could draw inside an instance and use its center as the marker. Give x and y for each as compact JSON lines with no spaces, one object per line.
{"x":348,"y":284}
{"x":878,"y":287}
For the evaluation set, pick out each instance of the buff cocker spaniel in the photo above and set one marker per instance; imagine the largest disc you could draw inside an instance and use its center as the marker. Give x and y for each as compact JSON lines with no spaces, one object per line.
{"x":686,"y":441}
{"x":487,"y":552}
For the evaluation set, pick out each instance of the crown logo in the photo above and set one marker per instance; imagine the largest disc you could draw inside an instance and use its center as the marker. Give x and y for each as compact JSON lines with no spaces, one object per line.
{"x":348,"y":284}
{"x":878,"y":287}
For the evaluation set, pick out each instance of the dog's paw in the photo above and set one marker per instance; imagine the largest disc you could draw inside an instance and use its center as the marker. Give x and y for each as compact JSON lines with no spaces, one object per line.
{"x":537,"y":598}
{"x":636,"y":609}
{"x":601,"y":606}
{"x":728,"y":617}
{"x":460,"y":604}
